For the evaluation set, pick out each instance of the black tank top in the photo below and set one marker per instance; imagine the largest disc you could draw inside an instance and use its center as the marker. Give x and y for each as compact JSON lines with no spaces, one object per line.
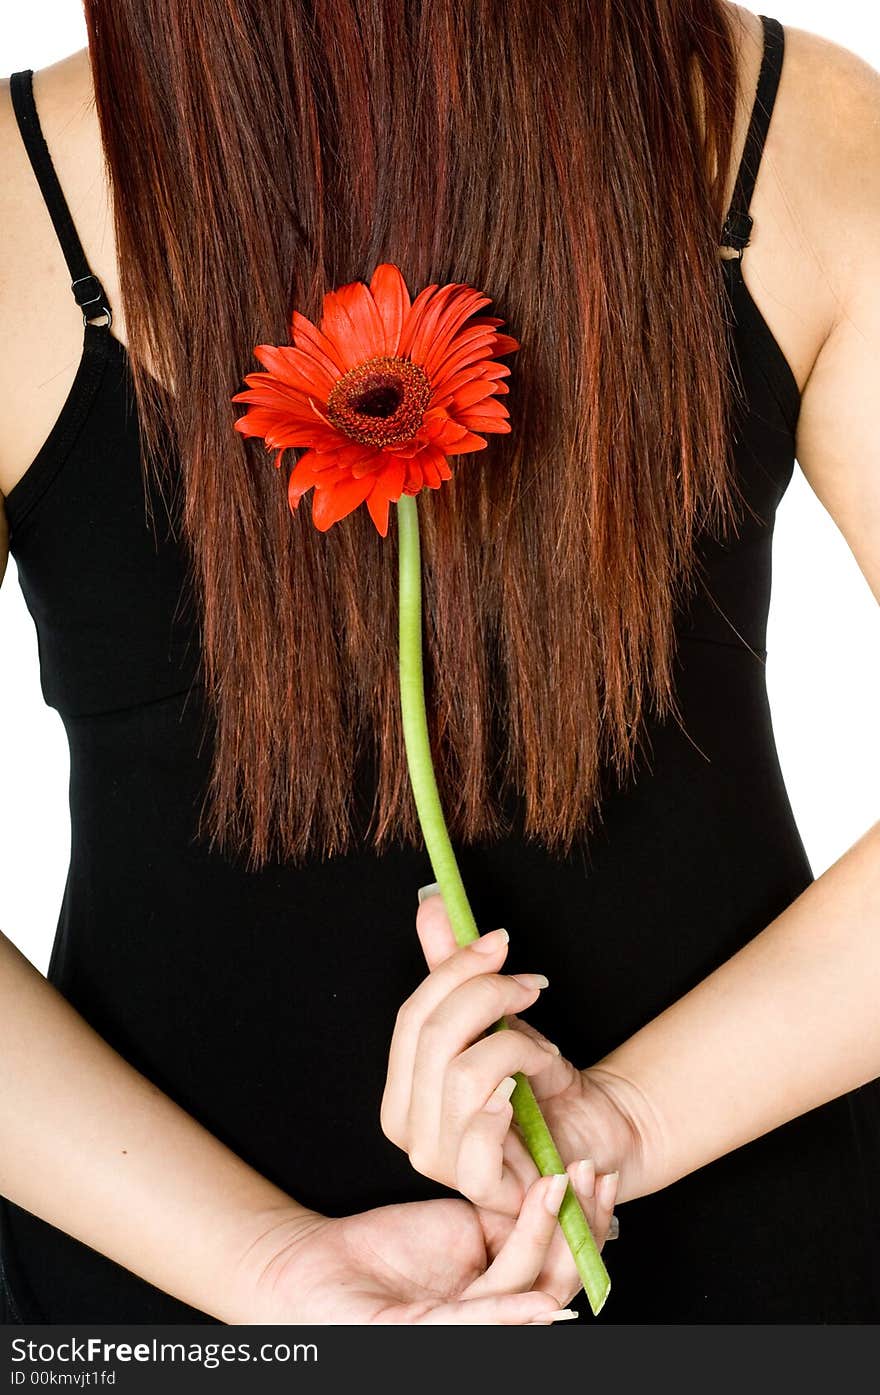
{"x":263,"y":1003}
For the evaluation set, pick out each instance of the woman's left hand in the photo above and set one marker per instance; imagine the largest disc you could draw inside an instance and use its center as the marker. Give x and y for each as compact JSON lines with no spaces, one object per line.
{"x":446,"y":1099}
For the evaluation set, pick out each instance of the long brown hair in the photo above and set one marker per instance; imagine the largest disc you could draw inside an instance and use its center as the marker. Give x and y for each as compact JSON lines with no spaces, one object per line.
{"x":567,"y":157}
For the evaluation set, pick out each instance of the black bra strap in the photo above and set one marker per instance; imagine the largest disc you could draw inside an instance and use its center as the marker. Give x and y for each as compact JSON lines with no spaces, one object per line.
{"x":738,"y":223}
{"x":87,"y":290}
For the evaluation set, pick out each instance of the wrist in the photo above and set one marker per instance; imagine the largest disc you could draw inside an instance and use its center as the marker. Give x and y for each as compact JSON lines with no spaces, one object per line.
{"x":270,"y":1241}
{"x":631,"y":1140}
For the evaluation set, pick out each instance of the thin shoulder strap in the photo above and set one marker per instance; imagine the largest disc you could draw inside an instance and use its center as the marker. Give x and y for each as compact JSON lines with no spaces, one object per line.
{"x":738,"y":223}
{"x":87,"y":290}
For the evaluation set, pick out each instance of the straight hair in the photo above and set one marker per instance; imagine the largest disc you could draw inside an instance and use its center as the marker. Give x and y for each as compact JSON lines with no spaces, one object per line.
{"x":569,"y":159}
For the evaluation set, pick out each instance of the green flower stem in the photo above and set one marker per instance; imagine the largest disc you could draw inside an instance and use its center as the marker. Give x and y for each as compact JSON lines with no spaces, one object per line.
{"x":526,"y":1110}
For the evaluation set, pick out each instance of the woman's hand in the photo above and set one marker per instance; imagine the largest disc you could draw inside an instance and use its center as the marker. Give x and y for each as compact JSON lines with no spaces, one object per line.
{"x":446,"y":1099}
{"x":419,"y":1262}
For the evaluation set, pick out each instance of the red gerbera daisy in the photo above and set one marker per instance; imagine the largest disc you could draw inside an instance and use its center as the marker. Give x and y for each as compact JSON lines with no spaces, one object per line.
{"x":381,"y":392}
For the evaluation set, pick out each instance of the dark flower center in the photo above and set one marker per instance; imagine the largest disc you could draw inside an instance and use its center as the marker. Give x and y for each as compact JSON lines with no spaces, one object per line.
{"x":380,"y":402}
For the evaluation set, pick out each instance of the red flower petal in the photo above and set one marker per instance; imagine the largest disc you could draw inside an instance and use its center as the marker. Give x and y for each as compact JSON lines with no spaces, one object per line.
{"x":466,"y":443}
{"x":470,"y":346}
{"x":378,"y":506}
{"x":364,"y":312}
{"x":432,"y":475}
{"x":449,"y":325}
{"x":386,"y":488}
{"x":315,"y":377}
{"x":413,"y":318}
{"x":282,"y":403}
{"x":348,"y":334}
{"x":297,"y":369}
{"x":415,"y":477}
{"x":472,"y":392}
{"x":303,"y":476}
{"x":392,"y":301}
{"x":505,"y":344}
{"x":441,"y":320}
{"x":371,"y":464}
{"x":447,"y":433}
{"x":486,"y":423}
{"x":308,"y":336}
{"x":455,"y":351}
{"x":330,"y":505}
{"x":283,"y":392}
{"x":442,"y":400}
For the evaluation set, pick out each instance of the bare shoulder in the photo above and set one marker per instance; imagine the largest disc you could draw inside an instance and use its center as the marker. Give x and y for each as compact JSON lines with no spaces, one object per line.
{"x":14,"y":169}
{"x":841,"y":85}
{"x":61,"y":99}
{"x":813,"y":212}
{"x":41,"y":328}
{"x":838,"y":202}
{"x":835,"y":122}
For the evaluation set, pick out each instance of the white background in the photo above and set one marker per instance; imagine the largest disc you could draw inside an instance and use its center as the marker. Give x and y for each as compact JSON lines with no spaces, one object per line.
{"x":823,"y":669}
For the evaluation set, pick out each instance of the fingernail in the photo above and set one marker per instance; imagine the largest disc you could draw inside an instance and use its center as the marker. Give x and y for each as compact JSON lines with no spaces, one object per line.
{"x":532,"y":980}
{"x":500,"y":1095}
{"x":554,"y":1192}
{"x":491,"y":941}
{"x":585,"y":1176}
{"x":551,"y":1047}
{"x":562,"y":1315}
{"x":432,"y":889}
{"x":607,"y":1188}
{"x":614,"y":1228}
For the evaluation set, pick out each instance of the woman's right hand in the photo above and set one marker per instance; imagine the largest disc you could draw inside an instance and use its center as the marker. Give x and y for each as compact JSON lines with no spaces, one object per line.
{"x":442,"y":1261}
{"x":189,"y":1216}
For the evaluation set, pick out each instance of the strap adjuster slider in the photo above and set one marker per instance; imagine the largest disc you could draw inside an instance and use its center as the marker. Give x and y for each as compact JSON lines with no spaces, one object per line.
{"x":87,"y":290}
{"x":737,"y":230}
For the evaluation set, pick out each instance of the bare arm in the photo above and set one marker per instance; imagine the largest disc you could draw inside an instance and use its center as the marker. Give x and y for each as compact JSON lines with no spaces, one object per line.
{"x":792,"y":1021}
{"x":787,"y":1024}
{"x":91,"y":1146}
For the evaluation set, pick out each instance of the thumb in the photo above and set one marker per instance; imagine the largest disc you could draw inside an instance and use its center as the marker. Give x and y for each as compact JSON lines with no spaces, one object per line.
{"x":433,"y":927}
{"x":558,"y":1074}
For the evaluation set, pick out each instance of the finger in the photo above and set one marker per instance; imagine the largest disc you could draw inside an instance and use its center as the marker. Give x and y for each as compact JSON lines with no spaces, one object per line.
{"x":560,"y":1274}
{"x":597,"y":1197}
{"x":481,"y":1172}
{"x":558,"y":1073}
{"x":492,"y":1168}
{"x":583,"y":1176}
{"x":452,"y":1080}
{"x":561,"y":1315}
{"x":518,"y":1162}
{"x":523,"y":1255}
{"x":497,"y":1222}
{"x":606,"y":1195}
{"x":504,"y":1310}
{"x":423,"y":1045}
{"x":485,"y":955}
{"x":434,"y":930}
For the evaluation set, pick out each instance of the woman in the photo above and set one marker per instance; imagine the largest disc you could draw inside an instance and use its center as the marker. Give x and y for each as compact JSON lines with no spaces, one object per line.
{"x":239,"y":1085}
